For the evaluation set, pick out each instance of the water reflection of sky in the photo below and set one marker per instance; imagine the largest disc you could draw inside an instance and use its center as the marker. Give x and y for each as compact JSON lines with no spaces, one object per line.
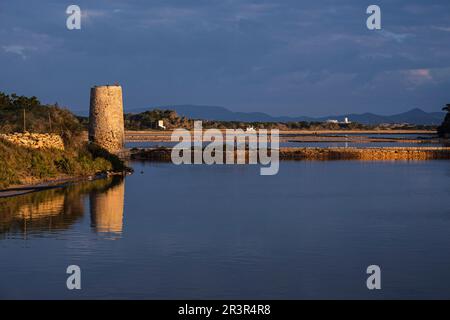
{"x":225,"y":232}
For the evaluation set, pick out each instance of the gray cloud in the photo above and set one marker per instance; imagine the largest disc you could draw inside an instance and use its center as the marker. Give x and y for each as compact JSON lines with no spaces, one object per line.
{"x":282,"y":57}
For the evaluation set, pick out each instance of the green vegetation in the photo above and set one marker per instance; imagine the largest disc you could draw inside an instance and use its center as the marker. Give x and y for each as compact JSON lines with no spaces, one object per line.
{"x":21,"y":165}
{"x":20,"y":113}
{"x":444,"y":129}
{"x":149,"y":119}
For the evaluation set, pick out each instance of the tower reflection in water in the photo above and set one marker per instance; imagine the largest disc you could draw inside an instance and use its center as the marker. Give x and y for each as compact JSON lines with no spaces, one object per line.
{"x":57,"y":210}
{"x":107,"y":208}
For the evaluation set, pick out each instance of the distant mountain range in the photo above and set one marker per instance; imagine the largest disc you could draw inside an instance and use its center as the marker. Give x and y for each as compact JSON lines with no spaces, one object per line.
{"x":414,"y":116}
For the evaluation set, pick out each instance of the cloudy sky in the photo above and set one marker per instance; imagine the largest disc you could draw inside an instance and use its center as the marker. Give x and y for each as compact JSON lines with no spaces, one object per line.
{"x":285,"y":57}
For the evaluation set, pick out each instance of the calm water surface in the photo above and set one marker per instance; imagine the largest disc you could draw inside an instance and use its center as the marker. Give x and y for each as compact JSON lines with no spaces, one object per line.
{"x":226,"y":232}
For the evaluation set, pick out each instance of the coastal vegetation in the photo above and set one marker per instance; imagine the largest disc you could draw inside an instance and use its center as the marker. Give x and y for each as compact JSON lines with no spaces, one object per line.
{"x":25,"y":165}
{"x":28,"y":114}
{"x":444,"y":129}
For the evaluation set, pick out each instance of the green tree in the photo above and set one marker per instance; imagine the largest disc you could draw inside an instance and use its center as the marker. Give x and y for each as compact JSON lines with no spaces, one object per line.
{"x":39,"y":118}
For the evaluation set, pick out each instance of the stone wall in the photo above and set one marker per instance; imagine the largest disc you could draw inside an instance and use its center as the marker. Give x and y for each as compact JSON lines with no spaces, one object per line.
{"x":106,"y":125}
{"x":35,"y":140}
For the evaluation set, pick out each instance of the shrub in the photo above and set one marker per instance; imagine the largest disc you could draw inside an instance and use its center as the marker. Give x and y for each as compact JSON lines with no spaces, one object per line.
{"x":21,"y":165}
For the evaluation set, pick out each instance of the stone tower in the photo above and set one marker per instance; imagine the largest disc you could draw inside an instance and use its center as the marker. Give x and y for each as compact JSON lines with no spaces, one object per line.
{"x":106,"y":126}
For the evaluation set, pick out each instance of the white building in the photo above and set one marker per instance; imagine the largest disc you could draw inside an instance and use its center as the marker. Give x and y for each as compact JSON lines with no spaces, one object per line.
{"x":161,"y":125}
{"x":346,"y":121}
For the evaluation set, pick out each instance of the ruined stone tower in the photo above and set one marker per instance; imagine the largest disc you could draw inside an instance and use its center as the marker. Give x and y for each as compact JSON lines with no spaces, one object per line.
{"x":106,"y":126}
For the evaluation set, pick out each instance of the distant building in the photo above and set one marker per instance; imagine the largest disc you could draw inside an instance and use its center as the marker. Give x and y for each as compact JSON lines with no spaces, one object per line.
{"x":346,"y":121}
{"x":161,"y":125}
{"x":250,"y":129}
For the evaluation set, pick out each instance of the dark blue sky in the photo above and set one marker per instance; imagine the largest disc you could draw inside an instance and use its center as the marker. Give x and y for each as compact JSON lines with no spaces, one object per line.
{"x":288,"y":57}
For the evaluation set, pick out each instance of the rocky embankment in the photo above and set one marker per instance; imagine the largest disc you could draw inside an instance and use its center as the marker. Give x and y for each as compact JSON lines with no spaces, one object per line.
{"x":365,"y":154}
{"x":322,"y":154}
{"x":35,"y":140}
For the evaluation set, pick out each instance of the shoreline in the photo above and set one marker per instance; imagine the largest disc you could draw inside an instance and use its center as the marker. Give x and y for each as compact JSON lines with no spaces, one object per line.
{"x":46,"y":184}
{"x":163,"y":154}
{"x":319,"y":154}
{"x":286,"y":154}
